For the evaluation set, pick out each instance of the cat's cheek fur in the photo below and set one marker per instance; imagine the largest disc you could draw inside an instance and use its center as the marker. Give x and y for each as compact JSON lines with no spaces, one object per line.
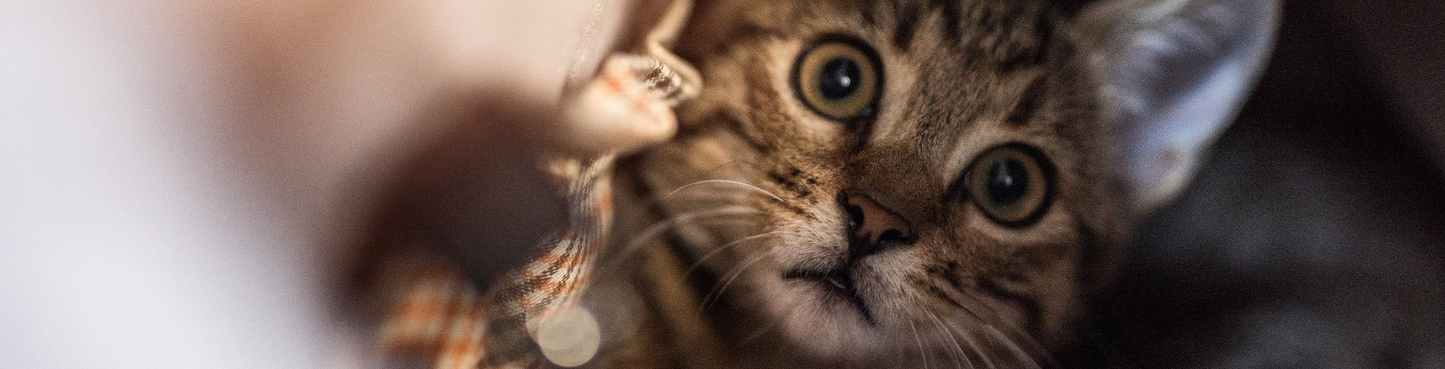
{"x":813,"y":242}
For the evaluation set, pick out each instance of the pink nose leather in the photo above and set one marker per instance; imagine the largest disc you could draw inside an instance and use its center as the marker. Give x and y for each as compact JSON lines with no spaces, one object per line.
{"x":873,"y":222}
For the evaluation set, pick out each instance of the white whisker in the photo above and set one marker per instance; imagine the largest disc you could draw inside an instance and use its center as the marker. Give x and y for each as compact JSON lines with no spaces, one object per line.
{"x":661,"y":226}
{"x":735,"y":243}
{"x":738,"y":271}
{"x":1012,"y":346}
{"x":921,"y":353}
{"x":959,"y":358}
{"x":968,"y":338}
{"x":725,"y":181}
{"x":976,"y":350}
{"x":1035,"y":352}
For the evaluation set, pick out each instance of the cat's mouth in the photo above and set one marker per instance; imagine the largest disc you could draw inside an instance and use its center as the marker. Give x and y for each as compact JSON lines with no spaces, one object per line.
{"x":836,"y":284}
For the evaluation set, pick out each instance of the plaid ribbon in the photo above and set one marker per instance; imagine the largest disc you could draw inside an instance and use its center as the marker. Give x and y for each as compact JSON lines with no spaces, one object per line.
{"x":438,"y":316}
{"x":438,"y":320}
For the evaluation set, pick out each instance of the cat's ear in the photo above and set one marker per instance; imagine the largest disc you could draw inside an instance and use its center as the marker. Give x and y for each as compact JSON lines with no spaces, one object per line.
{"x":1175,"y":73}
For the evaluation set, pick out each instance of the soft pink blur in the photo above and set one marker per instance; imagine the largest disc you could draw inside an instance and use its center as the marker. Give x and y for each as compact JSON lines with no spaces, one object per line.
{"x":178,"y":177}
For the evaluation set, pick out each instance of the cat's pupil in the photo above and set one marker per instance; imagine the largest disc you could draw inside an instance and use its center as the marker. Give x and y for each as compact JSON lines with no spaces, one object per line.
{"x":839,"y":78}
{"x":1008,"y":182}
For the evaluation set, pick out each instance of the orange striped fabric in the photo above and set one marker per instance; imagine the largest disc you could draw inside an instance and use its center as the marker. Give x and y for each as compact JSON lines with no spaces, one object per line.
{"x":437,"y":320}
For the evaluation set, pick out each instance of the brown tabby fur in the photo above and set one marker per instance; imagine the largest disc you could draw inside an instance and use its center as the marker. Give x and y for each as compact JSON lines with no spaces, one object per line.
{"x":695,"y":275}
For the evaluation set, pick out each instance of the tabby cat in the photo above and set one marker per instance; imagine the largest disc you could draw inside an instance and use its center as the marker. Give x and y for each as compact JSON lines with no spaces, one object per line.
{"x":904,"y":183}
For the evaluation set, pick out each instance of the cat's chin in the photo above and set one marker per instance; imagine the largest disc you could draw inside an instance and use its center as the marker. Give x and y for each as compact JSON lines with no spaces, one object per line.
{"x":833,"y":297}
{"x":821,"y":314}
{"x":822,"y":318}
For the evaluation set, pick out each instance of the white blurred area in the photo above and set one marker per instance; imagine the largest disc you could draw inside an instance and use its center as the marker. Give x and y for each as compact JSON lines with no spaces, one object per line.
{"x":177,"y":178}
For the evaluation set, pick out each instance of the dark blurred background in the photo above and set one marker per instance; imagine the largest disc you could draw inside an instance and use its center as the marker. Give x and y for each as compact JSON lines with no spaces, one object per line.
{"x":1314,"y":236}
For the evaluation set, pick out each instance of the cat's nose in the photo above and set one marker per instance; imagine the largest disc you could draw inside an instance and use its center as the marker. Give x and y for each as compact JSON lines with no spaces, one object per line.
{"x":872,"y":225}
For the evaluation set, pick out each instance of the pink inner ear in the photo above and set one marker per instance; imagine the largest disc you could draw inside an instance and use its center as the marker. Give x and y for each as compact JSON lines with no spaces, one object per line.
{"x":1178,"y":82}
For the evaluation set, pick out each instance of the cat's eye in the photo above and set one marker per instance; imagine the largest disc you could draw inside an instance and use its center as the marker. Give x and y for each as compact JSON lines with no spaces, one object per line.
{"x":1011,"y":184}
{"x":839,"y":79}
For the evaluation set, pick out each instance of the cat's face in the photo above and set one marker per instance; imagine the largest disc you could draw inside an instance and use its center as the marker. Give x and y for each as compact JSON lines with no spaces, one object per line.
{"x":928,"y":176}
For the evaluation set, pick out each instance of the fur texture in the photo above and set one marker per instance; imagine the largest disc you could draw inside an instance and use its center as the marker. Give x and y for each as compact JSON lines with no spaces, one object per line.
{"x":737,"y":242}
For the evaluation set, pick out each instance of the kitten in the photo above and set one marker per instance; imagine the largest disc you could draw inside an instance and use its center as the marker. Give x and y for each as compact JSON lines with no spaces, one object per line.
{"x":909,"y":183}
